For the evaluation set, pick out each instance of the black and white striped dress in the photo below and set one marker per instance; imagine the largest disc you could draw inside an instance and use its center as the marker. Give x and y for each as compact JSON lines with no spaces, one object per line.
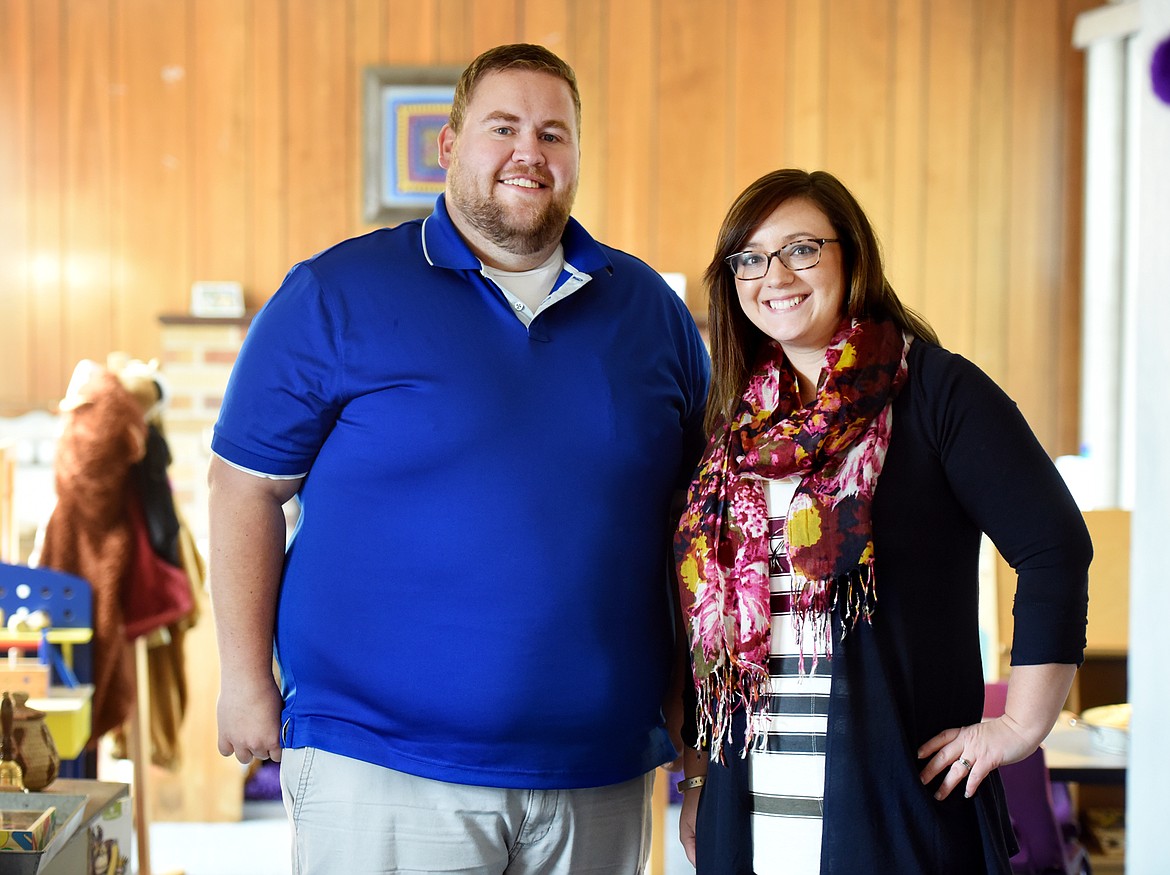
{"x":788,"y":767}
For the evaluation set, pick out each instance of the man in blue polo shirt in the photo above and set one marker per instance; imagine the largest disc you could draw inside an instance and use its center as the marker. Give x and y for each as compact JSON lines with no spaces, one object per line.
{"x":484,"y":416}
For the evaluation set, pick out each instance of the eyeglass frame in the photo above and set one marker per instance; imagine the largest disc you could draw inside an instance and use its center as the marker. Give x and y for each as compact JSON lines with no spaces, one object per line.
{"x":820,"y":241}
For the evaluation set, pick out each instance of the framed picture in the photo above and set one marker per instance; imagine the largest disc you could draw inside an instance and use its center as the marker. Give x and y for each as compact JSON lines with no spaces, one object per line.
{"x":404,"y":110}
{"x":217,"y":299}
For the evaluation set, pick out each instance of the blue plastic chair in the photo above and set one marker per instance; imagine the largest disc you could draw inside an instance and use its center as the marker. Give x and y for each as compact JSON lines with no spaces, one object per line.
{"x":68,"y":601}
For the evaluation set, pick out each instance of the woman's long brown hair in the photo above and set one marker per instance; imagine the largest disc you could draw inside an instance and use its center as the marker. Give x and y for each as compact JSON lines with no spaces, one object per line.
{"x":735,"y":341}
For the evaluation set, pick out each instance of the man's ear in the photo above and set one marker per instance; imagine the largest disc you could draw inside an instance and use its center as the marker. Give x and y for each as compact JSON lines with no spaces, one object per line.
{"x":446,"y":145}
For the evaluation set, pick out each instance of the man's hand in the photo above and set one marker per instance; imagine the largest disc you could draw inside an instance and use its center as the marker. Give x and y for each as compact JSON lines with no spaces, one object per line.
{"x":249,"y":719}
{"x":246,"y":558}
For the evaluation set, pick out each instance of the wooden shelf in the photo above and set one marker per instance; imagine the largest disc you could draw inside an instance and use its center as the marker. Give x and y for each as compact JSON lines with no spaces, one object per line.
{"x":63,"y":636}
{"x":1107,"y":865}
{"x":79,"y":635}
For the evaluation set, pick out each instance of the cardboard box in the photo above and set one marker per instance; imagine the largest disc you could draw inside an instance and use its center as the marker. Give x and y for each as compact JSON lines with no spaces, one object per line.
{"x":110,"y":835}
{"x":26,"y":829}
{"x":28,"y":675}
{"x":69,"y":811}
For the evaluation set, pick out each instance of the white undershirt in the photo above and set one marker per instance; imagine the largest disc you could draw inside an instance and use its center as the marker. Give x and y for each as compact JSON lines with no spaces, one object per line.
{"x":527,"y":290}
{"x":787,"y":776}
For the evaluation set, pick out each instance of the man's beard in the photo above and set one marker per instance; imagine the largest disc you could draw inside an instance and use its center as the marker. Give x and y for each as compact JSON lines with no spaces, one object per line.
{"x":521,"y":233}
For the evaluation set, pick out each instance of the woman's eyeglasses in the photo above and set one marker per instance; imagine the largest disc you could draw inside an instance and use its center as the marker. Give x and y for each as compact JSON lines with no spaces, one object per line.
{"x":797,"y":255}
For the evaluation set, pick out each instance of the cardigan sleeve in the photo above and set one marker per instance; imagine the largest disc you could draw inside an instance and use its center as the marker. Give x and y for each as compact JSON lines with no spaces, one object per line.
{"x":1012,"y":490}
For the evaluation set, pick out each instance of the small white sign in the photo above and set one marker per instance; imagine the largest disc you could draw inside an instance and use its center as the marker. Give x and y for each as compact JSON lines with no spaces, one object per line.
{"x":222,"y":299}
{"x":677,"y":281}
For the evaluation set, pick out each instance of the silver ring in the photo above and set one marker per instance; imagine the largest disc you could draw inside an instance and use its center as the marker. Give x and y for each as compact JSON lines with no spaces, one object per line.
{"x":965,"y":763}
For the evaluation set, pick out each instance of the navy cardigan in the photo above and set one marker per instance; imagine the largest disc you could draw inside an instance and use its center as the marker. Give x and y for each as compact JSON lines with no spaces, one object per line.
{"x":962,"y":461}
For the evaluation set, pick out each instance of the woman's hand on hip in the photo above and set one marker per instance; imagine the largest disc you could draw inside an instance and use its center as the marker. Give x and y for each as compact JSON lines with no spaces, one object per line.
{"x":969,"y":754}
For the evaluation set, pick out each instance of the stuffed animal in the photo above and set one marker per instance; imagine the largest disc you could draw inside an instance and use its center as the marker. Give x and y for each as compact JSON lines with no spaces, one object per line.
{"x":159,"y":596}
{"x":115,"y":525}
{"x":89,"y":531}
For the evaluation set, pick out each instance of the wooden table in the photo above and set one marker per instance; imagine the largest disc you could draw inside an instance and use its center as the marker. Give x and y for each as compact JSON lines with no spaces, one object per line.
{"x":1070,"y":755}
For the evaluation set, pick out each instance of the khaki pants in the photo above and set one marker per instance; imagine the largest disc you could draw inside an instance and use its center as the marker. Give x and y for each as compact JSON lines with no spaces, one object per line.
{"x":355,"y":818}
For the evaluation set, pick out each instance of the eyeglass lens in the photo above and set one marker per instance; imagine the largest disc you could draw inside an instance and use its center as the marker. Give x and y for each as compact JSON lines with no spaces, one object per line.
{"x":797,"y":255}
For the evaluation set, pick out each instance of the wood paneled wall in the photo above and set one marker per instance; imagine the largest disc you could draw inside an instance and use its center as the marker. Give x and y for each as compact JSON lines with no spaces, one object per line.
{"x":145,"y":144}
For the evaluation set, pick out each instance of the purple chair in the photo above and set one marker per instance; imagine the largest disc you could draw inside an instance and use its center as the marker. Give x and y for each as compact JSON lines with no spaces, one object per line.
{"x":1040,"y":811}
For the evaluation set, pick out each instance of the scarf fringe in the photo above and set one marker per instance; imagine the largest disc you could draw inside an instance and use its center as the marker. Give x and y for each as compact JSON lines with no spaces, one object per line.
{"x":812,"y":607}
{"x":856,"y":593}
{"x":721,"y":694}
{"x":735,"y":685}
{"x":853,"y":593}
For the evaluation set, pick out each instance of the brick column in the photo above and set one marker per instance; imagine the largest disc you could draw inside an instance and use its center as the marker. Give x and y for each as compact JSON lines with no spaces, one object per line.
{"x":198,"y":354}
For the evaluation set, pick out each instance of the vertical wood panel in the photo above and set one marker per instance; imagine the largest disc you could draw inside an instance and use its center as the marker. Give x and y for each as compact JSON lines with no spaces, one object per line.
{"x":321,"y":127}
{"x":46,"y":209}
{"x":132,"y":174}
{"x":588,"y":58}
{"x":455,"y":27}
{"x":546,"y":22}
{"x":89,"y":301}
{"x":412,"y":37}
{"x":694,"y":83}
{"x":1034,"y":182}
{"x":1066,"y":381}
{"x":760,"y":99}
{"x":15,"y":197}
{"x":631,"y":101}
{"x":809,"y":34}
{"x":267,"y":152}
{"x":947,"y":295}
{"x":152,"y":213}
{"x":992,"y":240}
{"x":494,"y":24}
{"x":857,"y":91}
{"x":905,"y":255}
{"x":368,"y":29}
{"x":218,"y":69}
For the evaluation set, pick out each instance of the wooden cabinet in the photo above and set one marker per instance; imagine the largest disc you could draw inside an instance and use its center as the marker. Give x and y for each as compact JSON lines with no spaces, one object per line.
{"x":1102,"y":679}
{"x":1108,"y":630}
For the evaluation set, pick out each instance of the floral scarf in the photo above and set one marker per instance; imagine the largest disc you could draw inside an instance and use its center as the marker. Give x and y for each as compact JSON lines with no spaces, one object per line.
{"x":837,"y":446}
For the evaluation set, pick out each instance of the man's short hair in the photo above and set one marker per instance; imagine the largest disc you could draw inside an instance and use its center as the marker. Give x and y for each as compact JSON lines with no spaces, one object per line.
{"x":516,"y":56}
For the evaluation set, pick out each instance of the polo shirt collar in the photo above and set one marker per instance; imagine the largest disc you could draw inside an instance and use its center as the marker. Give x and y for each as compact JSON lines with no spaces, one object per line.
{"x":443,"y":247}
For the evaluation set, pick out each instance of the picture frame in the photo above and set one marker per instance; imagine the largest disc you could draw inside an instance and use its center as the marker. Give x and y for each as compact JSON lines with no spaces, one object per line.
{"x":216,"y":299}
{"x":404,"y":108}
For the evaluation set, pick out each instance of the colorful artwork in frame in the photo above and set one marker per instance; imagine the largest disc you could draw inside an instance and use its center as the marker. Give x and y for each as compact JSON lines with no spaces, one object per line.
{"x":404,"y":110}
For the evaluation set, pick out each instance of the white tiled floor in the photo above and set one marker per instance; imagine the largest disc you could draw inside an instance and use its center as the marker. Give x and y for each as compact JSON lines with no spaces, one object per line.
{"x":676,"y":859}
{"x":256,"y":845}
{"x":259,"y":845}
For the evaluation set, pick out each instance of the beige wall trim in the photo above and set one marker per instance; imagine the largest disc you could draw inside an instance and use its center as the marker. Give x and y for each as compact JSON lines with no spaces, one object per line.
{"x":1115,"y":21}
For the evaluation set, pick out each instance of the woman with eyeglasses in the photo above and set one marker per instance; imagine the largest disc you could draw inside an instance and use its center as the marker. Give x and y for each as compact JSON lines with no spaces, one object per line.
{"x":828,"y":560}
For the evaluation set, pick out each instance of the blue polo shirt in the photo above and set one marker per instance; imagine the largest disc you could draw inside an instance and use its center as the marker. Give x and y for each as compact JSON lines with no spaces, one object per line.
{"x":478,"y":588}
